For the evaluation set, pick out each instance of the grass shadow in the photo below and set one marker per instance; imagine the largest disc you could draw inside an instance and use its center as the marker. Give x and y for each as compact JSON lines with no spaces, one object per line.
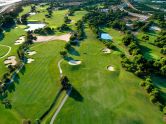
{"x":23,"y":70}
{"x":52,"y":105}
{"x":73,"y":51}
{"x":76,"y":95}
{"x":16,"y":78}
{"x":68,"y":58}
{"x":146,"y":52}
{"x":11,"y":87}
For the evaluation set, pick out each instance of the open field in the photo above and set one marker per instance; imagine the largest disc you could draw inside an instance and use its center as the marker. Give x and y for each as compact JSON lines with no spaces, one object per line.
{"x":103,"y":96}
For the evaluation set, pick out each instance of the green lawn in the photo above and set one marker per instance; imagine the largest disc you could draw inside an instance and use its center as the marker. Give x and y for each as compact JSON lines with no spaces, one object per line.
{"x":3,"y":50}
{"x":55,"y":21}
{"x":100,"y":96}
{"x":26,"y":10}
{"x":76,"y":17}
{"x":37,"y":87}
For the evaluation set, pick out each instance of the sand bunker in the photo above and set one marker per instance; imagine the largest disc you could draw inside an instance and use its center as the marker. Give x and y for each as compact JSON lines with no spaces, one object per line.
{"x":65,"y":37}
{"x":32,"y":13}
{"x":30,"y":60}
{"x":106,"y":50}
{"x":155,"y":28}
{"x":10,"y":61}
{"x":74,"y":62}
{"x":111,"y":68}
{"x":20,"y":40}
{"x":31,"y":53}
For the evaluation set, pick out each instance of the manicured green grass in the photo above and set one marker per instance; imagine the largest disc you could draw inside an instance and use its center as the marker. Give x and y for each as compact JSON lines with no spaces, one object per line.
{"x":55,"y":21}
{"x":76,"y":17}
{"x":115,"y":34}
{"x":26,"y":10}
{"x":3,"y":50}
{"x":37,"y":87}
{"x":101,"y":96}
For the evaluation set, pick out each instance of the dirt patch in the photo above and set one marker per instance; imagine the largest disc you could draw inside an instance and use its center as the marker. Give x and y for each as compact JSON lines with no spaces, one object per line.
{"x":20,"y":40}
{"x":10,"y":61}
{"x":65,"y":37}
{"x":74,"y":62}
{"x":110,"y":68}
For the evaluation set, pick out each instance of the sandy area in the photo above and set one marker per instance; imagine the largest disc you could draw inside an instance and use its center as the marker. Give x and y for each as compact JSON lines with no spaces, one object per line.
{"x":20,"y":40}
{"x":74,"y":62}
{"x":31,"y":53}
{"x":155,"y":28}
{"x":10,"y":61}
{"x":32,"y":13}
{"x":111,"y":68}
{"x":30,"y":60}
{"x":106,"y":50}
{"x":65,"y":37}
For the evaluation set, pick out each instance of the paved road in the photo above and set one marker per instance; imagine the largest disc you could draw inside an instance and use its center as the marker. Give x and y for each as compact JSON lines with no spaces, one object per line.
{"x":3,"y":9}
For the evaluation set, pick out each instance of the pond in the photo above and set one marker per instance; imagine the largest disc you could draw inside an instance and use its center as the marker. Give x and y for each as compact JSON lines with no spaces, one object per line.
{"x":33,"y":26}
{"x":106,"y":36}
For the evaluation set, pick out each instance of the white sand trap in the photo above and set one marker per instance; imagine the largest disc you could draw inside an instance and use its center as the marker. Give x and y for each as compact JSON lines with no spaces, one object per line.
{"x":32,"y":13}
{"x":30,"y":60}
{"x":106,"y":50}
{"x":10,"y":61}
{"x":111,"y":68}
{"x":65,"y":37}
{"x":31,"y":53}
{"x":74,"y":62}
{"x":155,"y":28}
{"x":20,"y":40}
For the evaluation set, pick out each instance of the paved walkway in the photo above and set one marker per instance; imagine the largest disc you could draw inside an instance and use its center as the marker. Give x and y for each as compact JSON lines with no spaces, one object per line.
{"x":60,"y":106}
{"x":64,"y":99}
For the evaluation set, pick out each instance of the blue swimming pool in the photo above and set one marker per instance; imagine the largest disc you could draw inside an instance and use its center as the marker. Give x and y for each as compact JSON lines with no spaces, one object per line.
{"x":106,"y":36}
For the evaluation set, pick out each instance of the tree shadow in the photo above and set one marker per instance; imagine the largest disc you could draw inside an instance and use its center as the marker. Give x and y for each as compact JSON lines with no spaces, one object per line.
{"x":16,"y":78}
{"x":76,"y":95}
{"x":2,"y":36}
{"x":3,"y":95}
{"x":68,"y":58}
{"x":73,"y":51}
{"x":23,"y":70}
{"x":11,"y":87}
{"x":146,"y":52}
{"x":52,"y":105}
